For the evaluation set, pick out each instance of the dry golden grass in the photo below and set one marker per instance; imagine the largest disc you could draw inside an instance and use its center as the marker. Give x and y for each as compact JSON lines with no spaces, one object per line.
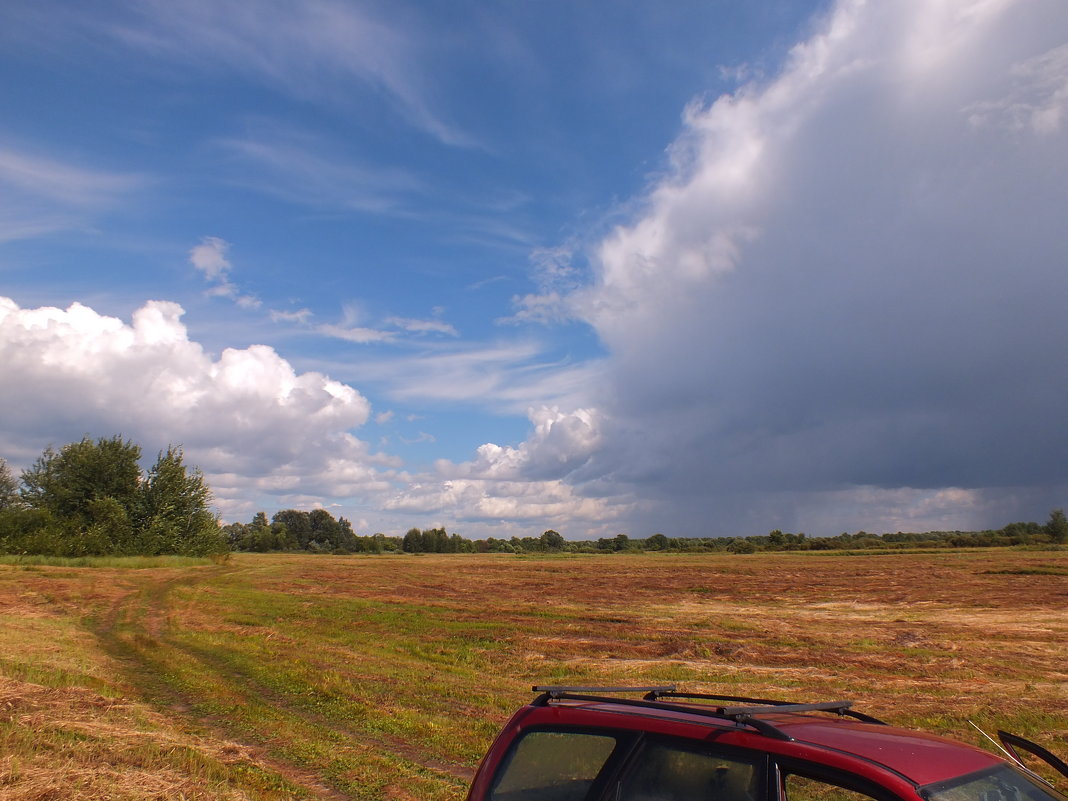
{"x":385,"y":677}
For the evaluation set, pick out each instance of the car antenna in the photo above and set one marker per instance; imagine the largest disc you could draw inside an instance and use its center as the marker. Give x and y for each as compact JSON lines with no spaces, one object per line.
{"x":999,"y":746}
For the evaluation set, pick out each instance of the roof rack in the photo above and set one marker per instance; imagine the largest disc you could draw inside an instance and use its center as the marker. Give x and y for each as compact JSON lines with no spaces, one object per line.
{"x":742,"y":715}
{"x":554,"y":690}
{"x":838,"y":707}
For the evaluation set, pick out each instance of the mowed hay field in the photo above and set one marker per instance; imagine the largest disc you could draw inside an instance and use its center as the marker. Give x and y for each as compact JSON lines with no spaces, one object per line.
{"x":386,"y":677}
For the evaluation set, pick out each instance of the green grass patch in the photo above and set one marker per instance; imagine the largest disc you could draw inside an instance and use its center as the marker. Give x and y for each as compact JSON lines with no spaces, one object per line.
{"x":125,"y":562}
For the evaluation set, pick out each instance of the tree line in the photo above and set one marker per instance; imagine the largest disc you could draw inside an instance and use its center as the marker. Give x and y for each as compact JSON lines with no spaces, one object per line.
{"x":294,"y":530}
{"x":263,"y":536}
{"x":1054,"y":531}
{"x":318,"y":532}
{"x":91,"y":498}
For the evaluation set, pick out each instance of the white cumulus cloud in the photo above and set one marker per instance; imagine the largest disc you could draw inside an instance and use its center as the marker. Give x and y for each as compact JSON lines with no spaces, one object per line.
{"x":246,"y":417}
{"x":560,"y":443}
{"x":507,"y":485}
{"x":209,"y":258}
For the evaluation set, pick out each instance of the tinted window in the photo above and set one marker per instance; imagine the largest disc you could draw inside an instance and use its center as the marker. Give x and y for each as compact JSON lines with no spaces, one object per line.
{"x":1003,"y":783}
{"x":665,"y":772}
{"x":552,"y":766}
{"x":802,"y":788}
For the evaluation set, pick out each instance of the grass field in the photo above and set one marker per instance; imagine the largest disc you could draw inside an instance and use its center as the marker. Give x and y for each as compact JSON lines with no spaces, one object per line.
{"x":385,"y":677}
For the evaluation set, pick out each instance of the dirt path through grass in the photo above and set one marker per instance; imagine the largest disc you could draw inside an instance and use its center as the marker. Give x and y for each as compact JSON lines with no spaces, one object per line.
{"x":147,"y":632}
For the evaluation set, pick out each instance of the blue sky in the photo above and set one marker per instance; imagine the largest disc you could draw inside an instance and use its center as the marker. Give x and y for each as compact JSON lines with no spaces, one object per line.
{"x":699,"y":268}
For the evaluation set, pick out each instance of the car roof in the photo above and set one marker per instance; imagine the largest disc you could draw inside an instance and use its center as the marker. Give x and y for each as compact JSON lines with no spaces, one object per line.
{"x":917,"y":757}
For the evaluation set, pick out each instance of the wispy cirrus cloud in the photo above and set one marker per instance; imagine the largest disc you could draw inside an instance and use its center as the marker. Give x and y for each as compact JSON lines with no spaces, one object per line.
{"x":301,"y":168}
{"x":361,"y":335}
{"x":557,"y":278}
{"x":313,"y":50}
{"x":417,"y":326}
{"x":391,"y":329}
{"x":63,"y":182}
{"x":505,"y":377}
{"x":41,"y":194}
{"x":300,"y":316}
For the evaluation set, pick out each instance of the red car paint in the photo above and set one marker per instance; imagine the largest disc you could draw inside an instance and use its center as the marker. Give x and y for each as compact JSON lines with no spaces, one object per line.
{"x":862,"y":758}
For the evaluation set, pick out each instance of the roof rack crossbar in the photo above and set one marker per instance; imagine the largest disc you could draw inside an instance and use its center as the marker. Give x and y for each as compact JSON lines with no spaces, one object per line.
{"x":554,"y":690}
{"x":827,"y":706}
{"x":743,"y":717}
{"x":839,"y":707}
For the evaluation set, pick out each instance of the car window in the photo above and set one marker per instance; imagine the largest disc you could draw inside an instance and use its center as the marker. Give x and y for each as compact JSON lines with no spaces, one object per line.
{"x":803,"y":788}
{"x":666,"y":772}
{"x":552,"y":766}
{"x":1003,"y":783}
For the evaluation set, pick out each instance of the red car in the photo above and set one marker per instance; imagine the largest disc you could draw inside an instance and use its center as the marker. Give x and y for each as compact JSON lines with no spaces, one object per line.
{"x":584,"y":744}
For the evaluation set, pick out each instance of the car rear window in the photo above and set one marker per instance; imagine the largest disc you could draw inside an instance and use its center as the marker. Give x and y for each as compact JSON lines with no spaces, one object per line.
{"x":671,"y":772}
{"x":553,"y":766}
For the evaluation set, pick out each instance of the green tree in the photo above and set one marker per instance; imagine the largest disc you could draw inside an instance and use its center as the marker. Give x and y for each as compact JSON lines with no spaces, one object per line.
{"x":109,"y":531}
{"x":31,"y":531}
{"x":1057,"y":527}
{"x":260,"y":535}
{"x":67,"y":482}
{"x":298,"y":527}
{"x":413,"y":541}
{"x":325,"y":530}
{"x":90,"y":498}
{"x":657,"y":542}
{"x":741,"y":545}
{"x":347,"y":539}
{"x":176,"y":510}
{"x":552,"y":540}
{"x":9,"y":488}
{"x":435,"y":540}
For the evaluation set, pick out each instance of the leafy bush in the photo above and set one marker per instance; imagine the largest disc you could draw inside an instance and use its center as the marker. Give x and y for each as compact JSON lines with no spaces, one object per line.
{"x":91,"y":499}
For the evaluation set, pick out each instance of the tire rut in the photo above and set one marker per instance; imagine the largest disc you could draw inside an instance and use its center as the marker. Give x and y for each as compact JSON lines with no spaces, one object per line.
{"x":141,"y":616}
{"x":149,"y":604}
{"x":394,"y":746}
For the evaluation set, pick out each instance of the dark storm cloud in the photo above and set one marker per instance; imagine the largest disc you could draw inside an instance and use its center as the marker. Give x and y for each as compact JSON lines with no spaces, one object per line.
{"x":849,"y":291}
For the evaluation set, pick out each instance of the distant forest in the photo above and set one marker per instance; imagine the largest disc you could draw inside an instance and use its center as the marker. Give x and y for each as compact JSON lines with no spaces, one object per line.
{"x":318,"y":531}
{"x":91,"y":498}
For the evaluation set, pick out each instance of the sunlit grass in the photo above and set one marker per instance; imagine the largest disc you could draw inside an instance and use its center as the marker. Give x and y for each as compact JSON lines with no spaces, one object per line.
{"x":29,"y":561}
{"x":290,"y":676}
